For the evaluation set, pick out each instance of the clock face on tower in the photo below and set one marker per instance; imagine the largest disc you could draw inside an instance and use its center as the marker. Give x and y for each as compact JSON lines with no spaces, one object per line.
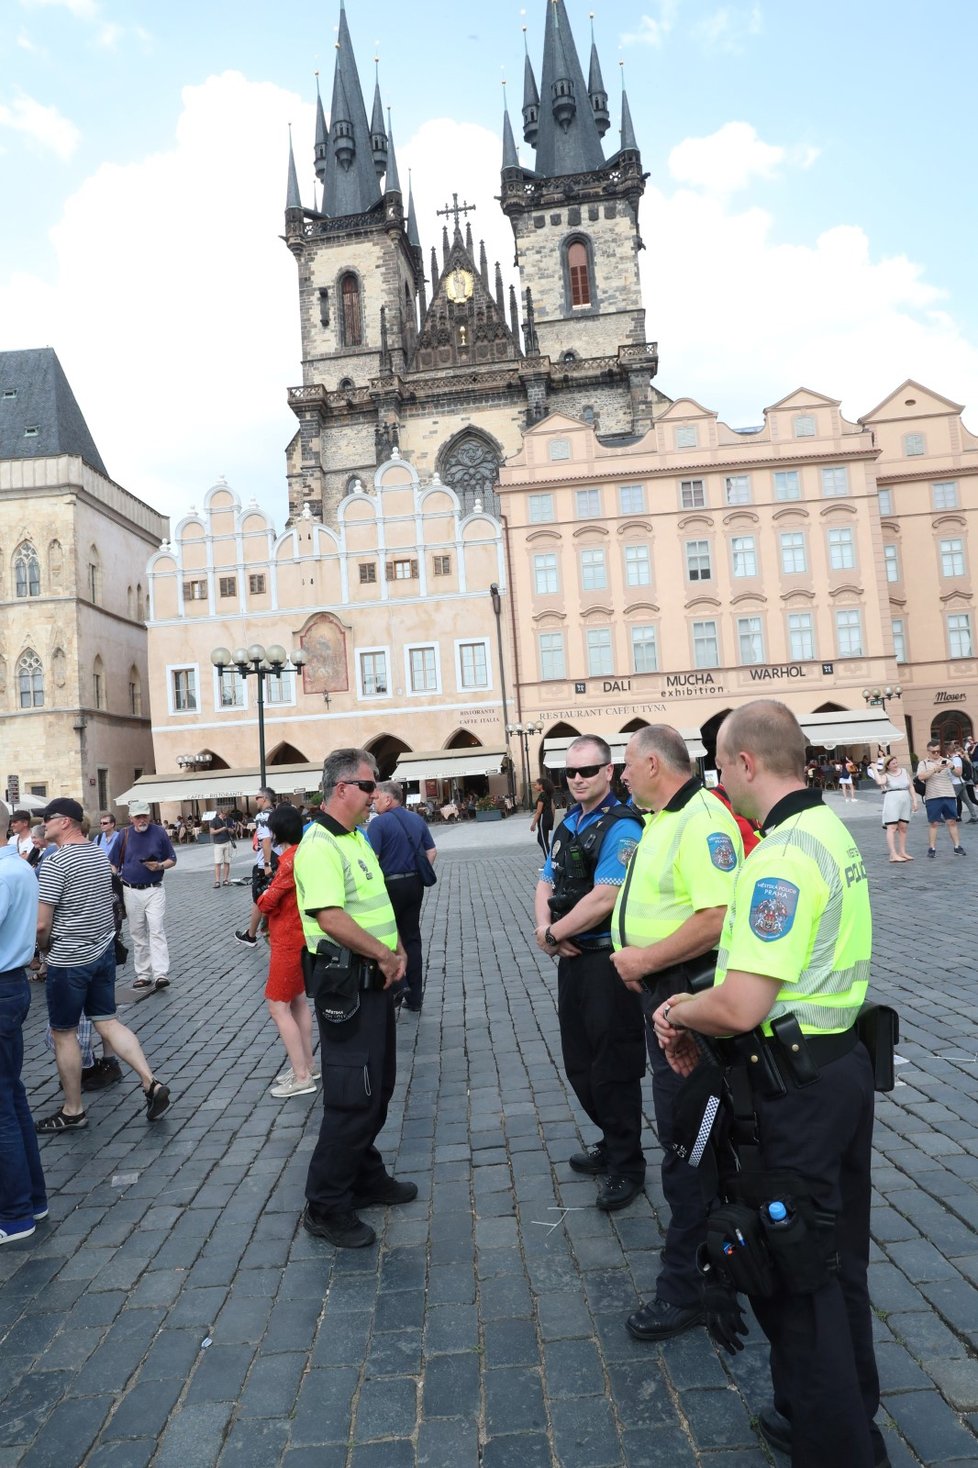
{"x":459,"y":285}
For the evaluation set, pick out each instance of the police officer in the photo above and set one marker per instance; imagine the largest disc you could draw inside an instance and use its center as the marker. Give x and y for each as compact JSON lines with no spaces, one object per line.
{"x":669,"y":913}
{"x":602,"y":1030}
{"x":340,"y":891}
{"x":797,"y":941}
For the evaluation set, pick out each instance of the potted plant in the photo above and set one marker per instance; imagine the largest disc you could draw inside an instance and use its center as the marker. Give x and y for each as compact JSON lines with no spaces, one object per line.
{"x":486,"y":809}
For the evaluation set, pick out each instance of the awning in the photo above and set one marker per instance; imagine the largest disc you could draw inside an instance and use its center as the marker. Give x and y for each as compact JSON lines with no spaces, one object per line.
{"x":555,"y":750}
{"x":214,"y":785}
{"x":449,"y":764}
{"x":849,"y":726}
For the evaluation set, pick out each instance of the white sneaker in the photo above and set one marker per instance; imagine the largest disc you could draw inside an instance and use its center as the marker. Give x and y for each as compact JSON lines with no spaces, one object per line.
{"x":287,"y":1074}
{"x":294,"y":1088}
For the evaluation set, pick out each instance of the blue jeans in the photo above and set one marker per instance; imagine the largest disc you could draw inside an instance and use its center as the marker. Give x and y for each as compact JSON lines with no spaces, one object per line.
{"x":22,"y":1190}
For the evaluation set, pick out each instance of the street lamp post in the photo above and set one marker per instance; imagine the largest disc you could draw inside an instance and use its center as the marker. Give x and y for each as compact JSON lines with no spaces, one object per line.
{"x":259,"y":662}
{"x":497,"y":608}
{"x":877,"y":698}
{"x":523,"y":733}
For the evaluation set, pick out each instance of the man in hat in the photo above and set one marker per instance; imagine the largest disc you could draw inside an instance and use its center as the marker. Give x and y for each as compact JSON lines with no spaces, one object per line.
{"x":341,"y":896}
{"x":143,"y":854}
{"x":76,"y":929}
{"x":23,"y":1199}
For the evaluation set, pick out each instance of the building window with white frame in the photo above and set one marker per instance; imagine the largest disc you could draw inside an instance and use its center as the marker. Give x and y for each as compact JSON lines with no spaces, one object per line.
{"x":402,"y":569}
{"x":743,"y":551}
{"x":952,"y":557}
{"x":552,"y":661}
{"x":631,"y":499}
{"x":545,"y":580}
{"x":914,"y":444}
{"x":692,"y":494}
{"x":736,"y":489}
{"x":230,"y":689}
{"x":687,"y":436}
{"x":698,"y":566}
{"x":423,"y":669}
{"x":183,"y":690}
{"x":600,"y":663}
{"x":944,"y":495}
{"x":899,"y":640}
{"x":849,"y":632}
{"x":638,"y":566}
{"x":541,"y":508}
{"x":787,"y":484}
{"x":835,"y":481}
{"x":959,"y":644}
{"x":588,"y":504}
{"x":842,"y":552}
{"x":801,"y":637}
{"x":645,"y":652}
{"x":706,"y":645}
{"x":804,"y":425}
{"x":280,"y":687}
{"x":886,"y":501}
{"x":374,"y":681}
{"x":473,"y":664}
{"x":891,"y":560}
{"x":195,"y":590}
{"x":750,"y":639}
{"x":794,"y":561}
{"x":594,"y":577}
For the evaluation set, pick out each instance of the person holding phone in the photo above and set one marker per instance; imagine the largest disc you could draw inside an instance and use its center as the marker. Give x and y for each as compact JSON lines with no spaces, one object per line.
{"x":939,"y":801}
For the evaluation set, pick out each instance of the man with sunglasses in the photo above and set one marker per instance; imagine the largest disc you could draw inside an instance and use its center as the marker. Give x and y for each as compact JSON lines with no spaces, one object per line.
{"x":341,"y":893}
{"x":601,"y":1026}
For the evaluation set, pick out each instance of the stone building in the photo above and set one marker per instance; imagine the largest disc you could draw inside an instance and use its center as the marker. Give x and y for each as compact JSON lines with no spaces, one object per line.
{"x":393,"y":610}
{"x":453,"y":379}
{"x":74,"y":710}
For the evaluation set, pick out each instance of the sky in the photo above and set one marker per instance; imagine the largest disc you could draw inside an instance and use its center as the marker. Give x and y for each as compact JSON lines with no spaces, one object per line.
{"x":809,"y":217}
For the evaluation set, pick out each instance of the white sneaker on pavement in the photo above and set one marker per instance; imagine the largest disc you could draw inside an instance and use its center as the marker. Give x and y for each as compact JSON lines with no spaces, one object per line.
{"x":294,"y":1088}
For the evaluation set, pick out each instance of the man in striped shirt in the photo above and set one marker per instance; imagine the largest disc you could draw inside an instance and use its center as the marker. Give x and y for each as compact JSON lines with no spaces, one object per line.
{"x":76,"y":929}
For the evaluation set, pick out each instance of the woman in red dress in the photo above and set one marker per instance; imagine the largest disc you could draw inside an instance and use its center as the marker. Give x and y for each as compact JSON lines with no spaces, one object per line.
{"x":285,"y":990}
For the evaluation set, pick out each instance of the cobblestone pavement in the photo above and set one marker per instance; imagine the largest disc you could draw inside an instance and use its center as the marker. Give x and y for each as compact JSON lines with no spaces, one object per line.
{"x":487,"y":1327}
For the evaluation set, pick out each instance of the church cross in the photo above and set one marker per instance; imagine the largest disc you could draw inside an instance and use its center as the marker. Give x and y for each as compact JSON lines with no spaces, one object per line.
{"x":456,"y":208}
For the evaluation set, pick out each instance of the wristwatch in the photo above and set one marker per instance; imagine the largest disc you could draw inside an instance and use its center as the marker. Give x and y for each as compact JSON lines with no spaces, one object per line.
{"x":550,"y":940}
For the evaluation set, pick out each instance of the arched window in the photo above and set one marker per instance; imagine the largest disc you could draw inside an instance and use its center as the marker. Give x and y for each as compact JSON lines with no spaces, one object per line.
{"x":130,"y":603}
{"x":94,"y":574}
{"x":140,"y":603}
{"x":470,"y":464}
{"x":27,"y":571}
{"x":352,"y":314}
{"x":98,"y":683}
{"x":135,"y":692}
{"x":56,"y":564}
{"x":30,"y":680}
{"x":579,"y":274}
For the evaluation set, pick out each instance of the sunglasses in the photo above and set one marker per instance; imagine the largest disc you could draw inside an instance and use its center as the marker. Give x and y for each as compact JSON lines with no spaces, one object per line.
{"x":367,"y":786}
{"x":583,"y":772}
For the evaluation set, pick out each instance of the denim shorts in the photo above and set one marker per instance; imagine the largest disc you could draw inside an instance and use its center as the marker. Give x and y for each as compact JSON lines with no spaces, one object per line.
{"x":941,"y":808}
{"x":81,"y":988}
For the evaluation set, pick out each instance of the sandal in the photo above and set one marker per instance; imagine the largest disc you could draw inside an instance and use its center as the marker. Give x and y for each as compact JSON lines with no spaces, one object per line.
{"x":143,"y":984}
{"x":157,"y":1100}
{"x":60,"y":1122}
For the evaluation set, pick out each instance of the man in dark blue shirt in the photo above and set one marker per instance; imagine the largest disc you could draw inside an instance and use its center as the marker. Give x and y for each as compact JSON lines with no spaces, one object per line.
{"x":602,"y":1032}
{"x":400,"y":838}
{"x":144,"y":853}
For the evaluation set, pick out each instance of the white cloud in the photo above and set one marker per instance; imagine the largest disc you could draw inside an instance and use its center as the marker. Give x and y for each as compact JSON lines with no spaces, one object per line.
{"x":109,"y":35}
{"x":653,"y":29}
{"x":45,"y":125}
{"x":25,"y":43}
{"x":725,"y":161}
{"x":729,"y":28}
{"x":83,"y":9}
{"x":742,"y":317}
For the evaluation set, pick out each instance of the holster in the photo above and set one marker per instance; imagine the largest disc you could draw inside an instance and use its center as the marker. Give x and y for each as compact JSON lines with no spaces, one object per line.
{"x":743,"y":1245}
{"x":879,"y":1030}
{"x":329,"y":967}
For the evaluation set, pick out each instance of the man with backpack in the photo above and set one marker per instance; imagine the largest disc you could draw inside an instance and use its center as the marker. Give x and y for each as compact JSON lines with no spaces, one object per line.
{"x":602,"y":1031}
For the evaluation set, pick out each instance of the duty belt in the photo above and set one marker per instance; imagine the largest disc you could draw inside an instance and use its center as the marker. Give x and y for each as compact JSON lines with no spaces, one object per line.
{"x":370,"y":975}
{"x":592,"y":945}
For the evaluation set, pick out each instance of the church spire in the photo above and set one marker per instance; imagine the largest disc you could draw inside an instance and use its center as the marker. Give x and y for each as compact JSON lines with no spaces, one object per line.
{"x":568,"y":140}
{"x":628,"y":142}
{"x":322,"y":136}
{"x":350,"y":182}
{"x":412,"y":219}
{"x":392,"y":183}
{"x":510,"y":155}
{"x":596,"y":90}
{"x":531,"y":100}
{"x":378,"y":138}
{"x":293,"y":199}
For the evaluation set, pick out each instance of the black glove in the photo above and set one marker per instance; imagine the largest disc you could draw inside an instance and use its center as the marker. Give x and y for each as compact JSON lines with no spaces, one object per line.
{"x":724,"y":1318}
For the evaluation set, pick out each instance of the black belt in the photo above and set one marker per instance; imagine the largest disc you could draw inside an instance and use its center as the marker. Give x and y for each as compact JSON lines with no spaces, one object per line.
{"x":593,"y":945}
{"x":141,"y":886}
{"x":17,"y":972}
{"x":400,"y":876}
{"x":821,"y":1050}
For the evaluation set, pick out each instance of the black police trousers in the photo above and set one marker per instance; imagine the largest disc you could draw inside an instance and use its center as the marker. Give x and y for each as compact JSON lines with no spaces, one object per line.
{"x":601,"y":1037}
{"x":359,"y":1062}
{"x":679,"y":1282}
{"x":406,"y":895}
{"x":823,"y":1365}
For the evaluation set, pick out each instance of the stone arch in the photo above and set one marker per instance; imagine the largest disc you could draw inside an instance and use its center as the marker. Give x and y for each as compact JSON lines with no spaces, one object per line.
{"x":287,"y":754}
{"x":350,"y":297}
{"x":577,"y":268}
{"x":386,"y":750}
{"x":463,"y":739}
{"x":951,"y":726}
{"x":216,"y":762}
{"x":470,"y":462}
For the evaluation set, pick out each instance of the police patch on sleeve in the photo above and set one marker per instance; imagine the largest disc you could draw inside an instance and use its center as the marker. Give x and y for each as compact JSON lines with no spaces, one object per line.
{"x":722,"y":852}
{"x":625,"y":852}
{"x":772,"y":908}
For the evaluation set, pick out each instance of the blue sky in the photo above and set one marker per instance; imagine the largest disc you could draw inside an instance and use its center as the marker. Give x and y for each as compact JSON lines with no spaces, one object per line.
{"x":809,"y":216}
